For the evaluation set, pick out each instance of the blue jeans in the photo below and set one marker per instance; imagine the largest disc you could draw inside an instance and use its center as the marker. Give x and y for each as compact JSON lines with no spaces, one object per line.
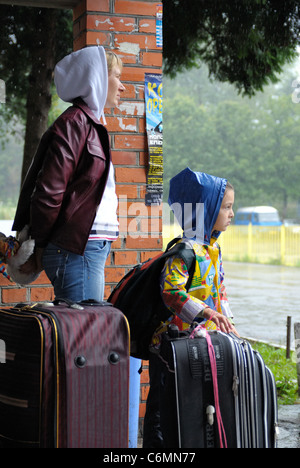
{"x":77,"y":277}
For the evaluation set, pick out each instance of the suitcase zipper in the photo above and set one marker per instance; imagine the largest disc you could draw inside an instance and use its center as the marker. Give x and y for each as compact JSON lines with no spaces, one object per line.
{"x":235,"y":388}
{"x":58,"y":350}
{"x":275,"y":407}
{"x":16,"y":401}
{"x":58,"y":357}
{"x":57,"y":393}
{"x":241,"y":407}
{"x":177,"y":398}
{"x":253,"y":435}
{"x":264,"y":384}
{"x":239,"y":388}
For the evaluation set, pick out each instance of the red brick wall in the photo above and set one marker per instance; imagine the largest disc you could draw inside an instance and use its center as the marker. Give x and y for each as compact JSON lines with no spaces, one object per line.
{"x":39,"y":291}
{"x":128,"y":27}
{"x":143,"y":394}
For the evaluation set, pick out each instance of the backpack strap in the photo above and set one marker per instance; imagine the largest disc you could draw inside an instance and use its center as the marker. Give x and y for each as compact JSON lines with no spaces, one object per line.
{"x":186,"y":252}
{"x":172,"y":242}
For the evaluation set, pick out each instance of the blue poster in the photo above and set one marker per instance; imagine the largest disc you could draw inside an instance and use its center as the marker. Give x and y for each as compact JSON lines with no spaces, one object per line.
{"x":154,"y":127}
{"x":159,"y":25}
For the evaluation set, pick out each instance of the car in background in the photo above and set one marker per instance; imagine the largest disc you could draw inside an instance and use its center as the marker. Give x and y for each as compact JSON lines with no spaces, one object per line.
{"x":293,"y":225}
{"x":257,"y":216}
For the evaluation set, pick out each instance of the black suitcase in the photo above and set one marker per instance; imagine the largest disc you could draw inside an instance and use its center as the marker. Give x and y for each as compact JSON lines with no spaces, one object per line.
{"x":240,"y":412}
{"x":64,"y":382}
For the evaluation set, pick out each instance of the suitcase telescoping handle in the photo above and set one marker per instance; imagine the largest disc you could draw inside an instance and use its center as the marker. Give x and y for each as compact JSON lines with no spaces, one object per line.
{"x":72,"y":305}
{"x":82,"y":304}
{"x":93,"y":302}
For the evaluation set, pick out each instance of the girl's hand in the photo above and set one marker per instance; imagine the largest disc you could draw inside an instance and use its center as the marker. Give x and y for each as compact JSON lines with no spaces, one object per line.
{"x":222,"y":322}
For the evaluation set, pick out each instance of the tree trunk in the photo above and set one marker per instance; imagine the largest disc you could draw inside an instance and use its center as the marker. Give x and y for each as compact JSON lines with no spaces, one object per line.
{"x":285,"y":205}
{"x":40,"y":79}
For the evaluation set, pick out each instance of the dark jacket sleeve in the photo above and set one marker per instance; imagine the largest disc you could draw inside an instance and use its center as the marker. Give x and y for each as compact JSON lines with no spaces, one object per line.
{"x":61,"y":159}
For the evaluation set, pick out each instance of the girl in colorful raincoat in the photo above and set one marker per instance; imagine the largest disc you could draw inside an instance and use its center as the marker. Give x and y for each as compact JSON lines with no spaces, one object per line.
{"x":203,"y":206}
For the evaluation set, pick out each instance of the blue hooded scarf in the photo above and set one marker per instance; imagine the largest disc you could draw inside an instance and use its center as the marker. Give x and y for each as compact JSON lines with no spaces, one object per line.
{"x":196,"y":199}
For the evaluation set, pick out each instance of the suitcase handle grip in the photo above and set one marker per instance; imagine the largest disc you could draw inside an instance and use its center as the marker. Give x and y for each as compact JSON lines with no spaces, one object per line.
{"x":72,"y":305}
{"x":76,"y":305}
{"x":93,"y":302}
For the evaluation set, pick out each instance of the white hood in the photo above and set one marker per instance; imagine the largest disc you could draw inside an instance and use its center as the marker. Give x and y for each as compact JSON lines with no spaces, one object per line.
{"x":83,"y":74}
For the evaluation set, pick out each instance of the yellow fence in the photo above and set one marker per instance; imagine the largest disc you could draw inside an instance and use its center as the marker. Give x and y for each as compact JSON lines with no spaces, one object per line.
{"x":259,"y":244}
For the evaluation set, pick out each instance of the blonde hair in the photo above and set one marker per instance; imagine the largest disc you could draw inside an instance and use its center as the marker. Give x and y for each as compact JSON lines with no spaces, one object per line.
{"x":113,"y":60}
{"x":229,"y":186}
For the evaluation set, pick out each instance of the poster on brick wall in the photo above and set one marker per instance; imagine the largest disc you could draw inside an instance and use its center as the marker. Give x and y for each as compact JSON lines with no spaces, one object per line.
{"x":159,"y":25}
{"x":154,"y":127}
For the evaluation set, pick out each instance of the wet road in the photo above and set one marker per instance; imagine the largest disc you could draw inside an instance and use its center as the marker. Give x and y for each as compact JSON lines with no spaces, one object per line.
{"x":261,"y":298}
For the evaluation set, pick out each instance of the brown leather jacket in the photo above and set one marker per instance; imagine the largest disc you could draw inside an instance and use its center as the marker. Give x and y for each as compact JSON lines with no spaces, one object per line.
{"x":66,"y":181}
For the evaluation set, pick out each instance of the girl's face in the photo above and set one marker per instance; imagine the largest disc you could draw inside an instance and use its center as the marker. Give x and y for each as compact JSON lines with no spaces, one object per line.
{"x":115,"y":87}
{"x":226,"y":212}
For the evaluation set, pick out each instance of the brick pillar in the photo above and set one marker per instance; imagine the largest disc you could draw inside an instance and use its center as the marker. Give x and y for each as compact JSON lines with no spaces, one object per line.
{"x":128,"y":27}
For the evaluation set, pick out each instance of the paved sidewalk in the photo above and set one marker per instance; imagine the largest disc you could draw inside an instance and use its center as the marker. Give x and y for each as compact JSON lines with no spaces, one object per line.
{"x":289,"y":426}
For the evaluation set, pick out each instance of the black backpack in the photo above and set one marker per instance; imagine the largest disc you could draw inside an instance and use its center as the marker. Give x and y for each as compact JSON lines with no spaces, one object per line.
{"x":138,"y":296}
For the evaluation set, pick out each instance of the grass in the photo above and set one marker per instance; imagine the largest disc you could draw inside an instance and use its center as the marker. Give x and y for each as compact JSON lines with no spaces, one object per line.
{"x":284,"y":370}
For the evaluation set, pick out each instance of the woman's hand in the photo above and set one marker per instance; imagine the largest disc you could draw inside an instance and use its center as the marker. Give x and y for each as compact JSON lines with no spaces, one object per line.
{"x":221,"y":321}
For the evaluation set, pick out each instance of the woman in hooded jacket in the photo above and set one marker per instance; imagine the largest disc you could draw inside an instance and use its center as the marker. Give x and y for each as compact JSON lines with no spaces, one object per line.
{"x":68,"y":198}
{"x":203,"y":206}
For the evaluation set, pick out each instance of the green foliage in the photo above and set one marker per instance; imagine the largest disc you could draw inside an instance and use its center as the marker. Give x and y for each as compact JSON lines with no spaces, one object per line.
{"x":10,"y":173}
{"x":22,"y":46}
{"x":255,"y":143}
{"x":58,"y":106}
{"x":19,"y":33}
{"x":284,"y":371}
{"x":243,"y":42}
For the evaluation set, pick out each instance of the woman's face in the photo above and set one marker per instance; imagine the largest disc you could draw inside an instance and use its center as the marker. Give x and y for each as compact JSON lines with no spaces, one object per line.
{"x":115,"y":87}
